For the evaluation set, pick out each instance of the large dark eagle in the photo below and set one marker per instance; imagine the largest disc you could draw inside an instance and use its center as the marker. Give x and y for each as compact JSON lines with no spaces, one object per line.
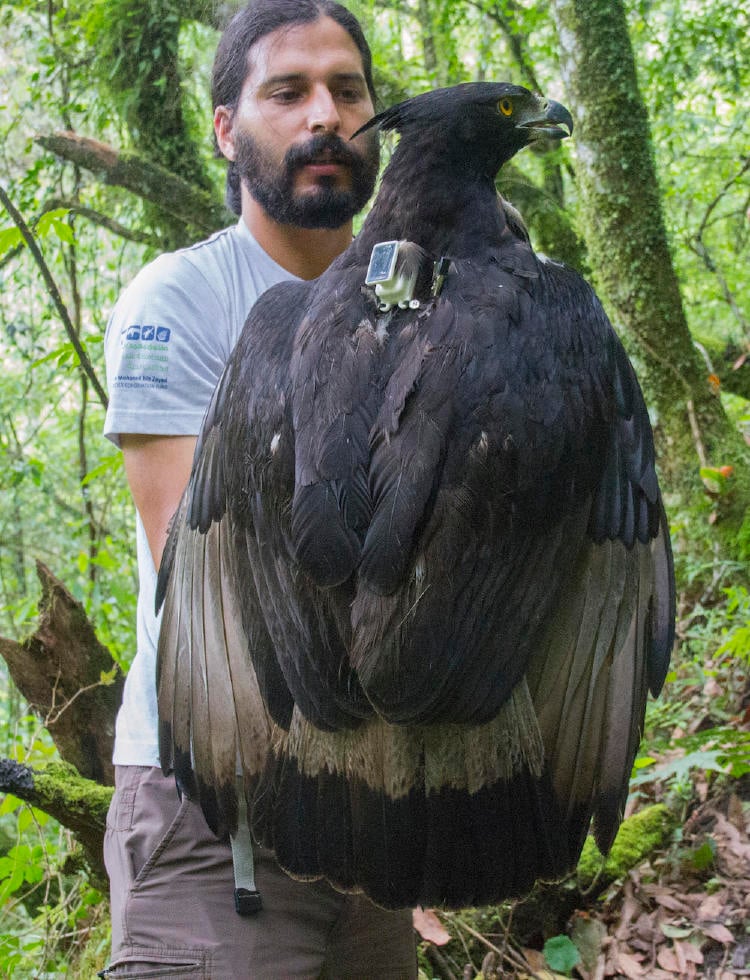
{"x":420,"y":581}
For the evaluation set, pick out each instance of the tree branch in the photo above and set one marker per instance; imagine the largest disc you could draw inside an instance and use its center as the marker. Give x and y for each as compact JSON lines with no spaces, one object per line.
{"x":505,"y":15}
{"x":149,"y":181}
{"x":103,"y":220}
{"x":54,"y":293}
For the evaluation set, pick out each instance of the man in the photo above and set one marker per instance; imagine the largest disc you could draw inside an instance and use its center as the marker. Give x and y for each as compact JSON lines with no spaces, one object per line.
{"x":292,"y":82}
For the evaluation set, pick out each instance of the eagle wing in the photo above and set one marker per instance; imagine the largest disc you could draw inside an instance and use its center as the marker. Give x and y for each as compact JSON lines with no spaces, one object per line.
{"x":228,"y":666}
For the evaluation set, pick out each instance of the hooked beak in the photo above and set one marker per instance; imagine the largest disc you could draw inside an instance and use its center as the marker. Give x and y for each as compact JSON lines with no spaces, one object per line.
{"x":548,"y":122}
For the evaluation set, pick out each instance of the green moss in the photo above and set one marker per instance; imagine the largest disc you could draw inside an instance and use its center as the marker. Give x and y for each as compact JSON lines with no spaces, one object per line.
{"x":638,"y":837}
{"x":64,"y":790}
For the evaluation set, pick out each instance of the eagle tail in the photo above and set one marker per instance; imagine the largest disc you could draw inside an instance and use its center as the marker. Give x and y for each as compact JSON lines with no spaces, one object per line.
{"x":446,"y":815}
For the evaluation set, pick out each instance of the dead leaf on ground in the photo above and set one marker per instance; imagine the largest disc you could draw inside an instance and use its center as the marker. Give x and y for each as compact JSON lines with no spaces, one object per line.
{"x":429,"y":927}
{"x":717,"y":932}
{"x":711,"y":907}
{"x":629,"y":966}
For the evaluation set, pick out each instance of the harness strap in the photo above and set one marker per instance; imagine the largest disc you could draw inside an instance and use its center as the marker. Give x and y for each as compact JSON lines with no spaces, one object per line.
{"x":247,"y":899}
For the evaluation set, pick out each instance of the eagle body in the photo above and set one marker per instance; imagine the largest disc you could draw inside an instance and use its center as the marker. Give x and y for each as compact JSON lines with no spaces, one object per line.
{"x":420,"y":581}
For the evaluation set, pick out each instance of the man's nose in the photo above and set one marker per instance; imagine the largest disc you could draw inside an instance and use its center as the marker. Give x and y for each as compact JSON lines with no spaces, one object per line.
{"x":324,"y":115}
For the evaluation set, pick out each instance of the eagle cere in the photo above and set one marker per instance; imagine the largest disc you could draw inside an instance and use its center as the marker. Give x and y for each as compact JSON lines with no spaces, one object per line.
{"x":420,"y":581}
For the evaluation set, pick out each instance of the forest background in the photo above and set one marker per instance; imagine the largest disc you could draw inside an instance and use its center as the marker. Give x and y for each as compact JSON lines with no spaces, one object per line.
{"x":106,"y":160}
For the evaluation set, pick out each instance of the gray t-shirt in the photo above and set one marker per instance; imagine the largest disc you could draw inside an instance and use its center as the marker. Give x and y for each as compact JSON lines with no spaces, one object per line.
{"x":166,"y":344}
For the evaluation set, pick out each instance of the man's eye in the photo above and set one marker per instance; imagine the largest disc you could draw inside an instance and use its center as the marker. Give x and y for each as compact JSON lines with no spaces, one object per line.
{"x":349,"y":94}
{"x":285,"y":95}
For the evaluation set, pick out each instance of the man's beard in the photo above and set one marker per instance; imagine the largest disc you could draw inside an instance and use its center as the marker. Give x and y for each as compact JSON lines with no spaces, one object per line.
{"x":327,"y":206}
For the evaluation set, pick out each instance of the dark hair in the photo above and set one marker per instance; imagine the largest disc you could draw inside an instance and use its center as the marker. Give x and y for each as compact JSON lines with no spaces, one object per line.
{"x":255,"y":21}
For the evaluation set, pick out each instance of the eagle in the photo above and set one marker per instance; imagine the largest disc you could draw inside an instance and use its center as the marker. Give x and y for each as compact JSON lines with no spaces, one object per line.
{"x":420,"y":581}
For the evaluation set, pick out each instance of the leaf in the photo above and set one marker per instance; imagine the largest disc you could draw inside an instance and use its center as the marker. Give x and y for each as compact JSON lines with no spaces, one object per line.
{"x":9,"y":238}
{"x":716,"y":931}
{"x":58,"y":354}
{"x":426,"y":923}
{"x":629,"y":966}
{"x":48,"y":220}
{"x":713,"y":475}
{"x":64,"y":232}
{"x":703,"y":857}
{"x":561,"y":954}
{"x":107,"y":465}
{"x":9,"y":804}
{"x":588,"y":935}
{"x":24,"y":819}
{"x":675,"y":932}
{"x":107,"y":677}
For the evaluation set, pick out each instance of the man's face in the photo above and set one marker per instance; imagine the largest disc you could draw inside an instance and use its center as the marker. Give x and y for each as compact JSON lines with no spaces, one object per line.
{"x":304,"y":96}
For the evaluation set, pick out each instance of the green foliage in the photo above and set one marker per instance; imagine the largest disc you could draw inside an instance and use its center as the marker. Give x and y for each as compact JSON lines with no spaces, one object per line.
{"x":561,"y":954}
{"x":136,"y":47}
{"x":48,"y":911}
{"x":736,"y":642}
{"x":694,"y":70}
{"x":724,"y":750}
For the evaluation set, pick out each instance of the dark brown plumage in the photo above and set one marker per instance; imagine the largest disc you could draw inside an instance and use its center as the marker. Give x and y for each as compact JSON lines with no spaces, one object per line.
{"x":420,"y":581}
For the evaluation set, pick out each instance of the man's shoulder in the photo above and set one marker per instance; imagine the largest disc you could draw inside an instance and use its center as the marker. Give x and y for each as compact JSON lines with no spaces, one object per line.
{"x":225,"y":240}
{"x":219,"y":248}
{"x":197,"y":275}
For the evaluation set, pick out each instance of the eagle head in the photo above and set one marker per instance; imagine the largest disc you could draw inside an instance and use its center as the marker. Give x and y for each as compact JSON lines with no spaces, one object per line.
{"x":481,"y":123}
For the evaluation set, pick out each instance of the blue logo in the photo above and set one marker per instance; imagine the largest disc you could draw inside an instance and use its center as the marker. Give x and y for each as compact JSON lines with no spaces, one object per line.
{"x":147,"y":333}
{"x":133,"y":333}
{"x":163,"y":334}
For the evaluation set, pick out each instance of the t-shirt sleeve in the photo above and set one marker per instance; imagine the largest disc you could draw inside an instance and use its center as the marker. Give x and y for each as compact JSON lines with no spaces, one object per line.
{"x":165,"y":348}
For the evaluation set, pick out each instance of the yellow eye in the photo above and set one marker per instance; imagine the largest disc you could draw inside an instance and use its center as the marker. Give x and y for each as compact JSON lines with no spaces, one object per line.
{"x":506,"y":107}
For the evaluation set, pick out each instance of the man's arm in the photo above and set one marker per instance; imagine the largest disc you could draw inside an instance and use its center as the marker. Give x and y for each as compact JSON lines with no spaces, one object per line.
{"x":157,"y":469}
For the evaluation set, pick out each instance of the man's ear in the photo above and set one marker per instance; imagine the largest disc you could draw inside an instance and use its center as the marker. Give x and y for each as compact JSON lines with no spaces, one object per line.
{"x":223,"y":118}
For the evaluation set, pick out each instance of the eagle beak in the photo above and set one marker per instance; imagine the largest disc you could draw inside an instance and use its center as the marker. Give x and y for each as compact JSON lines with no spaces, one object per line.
{"x":548,"y":122}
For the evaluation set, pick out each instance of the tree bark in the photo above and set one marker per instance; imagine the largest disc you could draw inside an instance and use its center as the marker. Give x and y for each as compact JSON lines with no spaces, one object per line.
{"x":628,"y":250}
{"x":69,"y":679}
{"x":197,"y":210}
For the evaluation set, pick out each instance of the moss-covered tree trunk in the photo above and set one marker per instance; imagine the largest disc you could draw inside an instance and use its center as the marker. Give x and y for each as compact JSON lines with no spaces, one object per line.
{"x":628,"y":251}
{"x":136,"y":47}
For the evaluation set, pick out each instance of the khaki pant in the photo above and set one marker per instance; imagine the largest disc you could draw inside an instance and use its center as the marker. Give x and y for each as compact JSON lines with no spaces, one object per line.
{"x":172,"y":888}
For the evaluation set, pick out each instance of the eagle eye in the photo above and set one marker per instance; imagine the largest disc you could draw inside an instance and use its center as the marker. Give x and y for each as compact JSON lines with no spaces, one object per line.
{"x":506,"y":107}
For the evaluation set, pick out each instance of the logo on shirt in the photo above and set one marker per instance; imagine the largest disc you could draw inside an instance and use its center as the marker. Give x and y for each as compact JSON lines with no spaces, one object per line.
{"x":145,"y":355}
{"x":147,"y":332}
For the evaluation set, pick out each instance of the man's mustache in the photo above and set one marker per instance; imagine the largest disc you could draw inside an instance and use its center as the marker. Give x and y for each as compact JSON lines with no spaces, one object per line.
{"x":326,"y":148}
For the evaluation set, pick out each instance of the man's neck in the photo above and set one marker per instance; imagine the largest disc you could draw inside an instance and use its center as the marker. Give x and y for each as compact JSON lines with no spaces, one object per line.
{"x":305,"y":252}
